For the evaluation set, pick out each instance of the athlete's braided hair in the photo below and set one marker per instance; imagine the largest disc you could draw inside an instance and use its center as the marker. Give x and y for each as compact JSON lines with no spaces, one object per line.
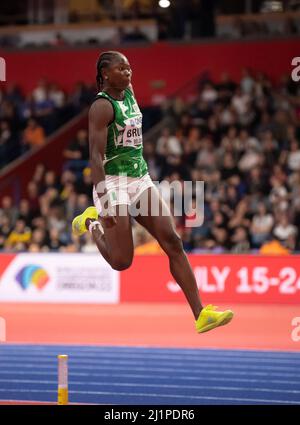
{"x":104,"y":61}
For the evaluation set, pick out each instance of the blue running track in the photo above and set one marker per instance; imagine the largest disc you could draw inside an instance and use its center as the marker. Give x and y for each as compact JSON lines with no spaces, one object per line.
{"x":140,"y":375}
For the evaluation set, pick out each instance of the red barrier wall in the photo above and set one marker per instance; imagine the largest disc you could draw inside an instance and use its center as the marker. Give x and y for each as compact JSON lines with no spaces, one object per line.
{"x":175,"y":64}
{"x":220,"y":278}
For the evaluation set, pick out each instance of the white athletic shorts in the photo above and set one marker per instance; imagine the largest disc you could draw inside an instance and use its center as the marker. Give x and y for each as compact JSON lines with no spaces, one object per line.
{"x":123,"y":189}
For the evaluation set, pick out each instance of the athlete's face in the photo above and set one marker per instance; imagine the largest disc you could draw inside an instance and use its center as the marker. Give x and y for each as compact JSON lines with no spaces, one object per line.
{"x":119,"y":73}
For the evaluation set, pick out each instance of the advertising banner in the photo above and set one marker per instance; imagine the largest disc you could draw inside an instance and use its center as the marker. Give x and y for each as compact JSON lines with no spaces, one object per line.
{"x":220,"y":278}
{"x":79,"y":278}
{"x":87,"y":278}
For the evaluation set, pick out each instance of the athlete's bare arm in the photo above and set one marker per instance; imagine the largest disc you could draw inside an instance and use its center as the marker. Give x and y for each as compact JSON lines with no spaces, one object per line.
{"x":100,"y":115}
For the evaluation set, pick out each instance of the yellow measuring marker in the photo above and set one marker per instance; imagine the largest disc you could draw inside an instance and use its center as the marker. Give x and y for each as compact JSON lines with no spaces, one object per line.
{"x":62,"y":395}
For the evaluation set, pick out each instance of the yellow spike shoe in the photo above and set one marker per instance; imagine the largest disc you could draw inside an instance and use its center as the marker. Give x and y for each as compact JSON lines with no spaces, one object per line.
{"x":209,"y":318}
{"x":78,"y":224}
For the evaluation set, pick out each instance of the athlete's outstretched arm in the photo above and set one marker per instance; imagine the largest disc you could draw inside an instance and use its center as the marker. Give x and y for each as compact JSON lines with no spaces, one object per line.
{"x":100,"y":115}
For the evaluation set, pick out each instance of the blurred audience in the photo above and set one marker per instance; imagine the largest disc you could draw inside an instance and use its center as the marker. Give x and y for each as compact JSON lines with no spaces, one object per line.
{"x":26,"y":120}
{"x":33,"y":135}
{"x":242,"y":139}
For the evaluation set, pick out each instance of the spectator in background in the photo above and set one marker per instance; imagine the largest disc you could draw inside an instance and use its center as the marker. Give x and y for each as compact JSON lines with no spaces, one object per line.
{"x":81,"y":97}
{"x":5,"y":133}
{"x":191,"y":145}
{"x":185,"y":123}
{"x":33,"y":197}
{"x":67,"y":184}
{"x":39,"y":173}
{"x":154,"y":165}
{"x":40,"y":238}
{"x":278,"y":196}
{"x":240,"y":101}
{"x":270,"y":148}
{"x":230,"y":142}
{"x":77,"y":153}
{"x":168,"y":144}
{"x":240,"y":217}
{"x":44,"y":108}
{"x":225,"y":88}
{"x":206,"y":157}
{"x":219,"y":242}
{"x":78,"y":148}
{"x":40,"y":222}
{"x":8,"y":112}
{"x":26,"y":109}
{"x":19,"y":237}
{"x":257,"y":182}
{"x":56,"y":95}
{"x":67,"y":191}
{"x":13,"y":93}
{"x":82,"y":202}
{"x":6,"y":140}
{"x":250,"y":159}
{"x":5,"y":229}
{"x":8,"y":209}
{"x":293,"y":159}
{"x":283,"y":229}
{"x":33,"y":135}
{"x":46,"y":199}
{"x":209,"y":93}
{"x":70,"y":206}
{"x":50,"y":181}
{"x":13,"y":145}
{"x":44,"y":111}
{"x":265,"y":123}
{"x":55,"y":242}
{"x":39,"y":93}
{"x":261,"y":226}
{"x":240,"y":241}
{"x":25,"y":212}
{"x":247,"y":82}
{"x":229,"y":167}
{"x":174,"y":164}
{"x":232,"y":197}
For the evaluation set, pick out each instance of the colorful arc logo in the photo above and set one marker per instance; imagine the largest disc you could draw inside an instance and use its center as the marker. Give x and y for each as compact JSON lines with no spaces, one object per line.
{"x":32,"y":275}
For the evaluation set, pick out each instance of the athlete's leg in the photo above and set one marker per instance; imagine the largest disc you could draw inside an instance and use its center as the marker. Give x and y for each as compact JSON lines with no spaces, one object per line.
{"x":161,"y":227}
{"x":115,"y":244}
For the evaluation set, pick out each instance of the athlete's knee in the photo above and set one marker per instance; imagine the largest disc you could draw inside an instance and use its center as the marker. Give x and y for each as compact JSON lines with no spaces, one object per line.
{"x":172,"y":244}
{"x":121,"y":263}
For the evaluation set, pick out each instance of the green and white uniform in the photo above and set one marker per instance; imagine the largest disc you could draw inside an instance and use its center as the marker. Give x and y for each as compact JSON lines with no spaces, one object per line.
{"x":124,"y":149}
{"x":126,"y":170}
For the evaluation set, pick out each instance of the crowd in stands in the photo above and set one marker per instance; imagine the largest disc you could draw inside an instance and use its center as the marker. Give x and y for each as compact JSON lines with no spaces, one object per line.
{"x":242,"y":139}
{"x":26,"y":120}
